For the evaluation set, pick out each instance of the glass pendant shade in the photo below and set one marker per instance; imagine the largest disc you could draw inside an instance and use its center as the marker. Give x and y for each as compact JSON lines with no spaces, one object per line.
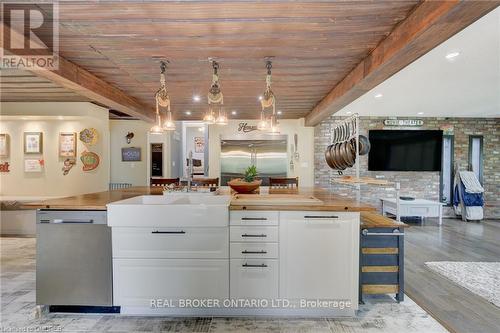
{"x":209,"y":117}
{"x":263,"y":123}
{"x":169,"y":125}
{"x":274,"y":129}
{"x":221,"y":118}
{"x":157,"y":128}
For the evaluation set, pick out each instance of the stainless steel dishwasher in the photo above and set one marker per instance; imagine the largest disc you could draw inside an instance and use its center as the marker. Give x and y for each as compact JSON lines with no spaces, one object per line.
{"x":73,"y":258}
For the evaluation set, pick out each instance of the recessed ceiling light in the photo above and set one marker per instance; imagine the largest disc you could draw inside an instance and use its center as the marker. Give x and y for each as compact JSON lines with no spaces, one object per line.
{"x":60,"y":117}
{"x":234,"y":113}
{"x":379,"y":95}
{"x":279,"y":112}
{"x":452,"y":55}
{"x":201,"y":129}
{"x":188,"y":113}
{"x":348,"y":112}
{"x":260,"y":98}
{"x":420,"y":113}
{"x":196,"y":98}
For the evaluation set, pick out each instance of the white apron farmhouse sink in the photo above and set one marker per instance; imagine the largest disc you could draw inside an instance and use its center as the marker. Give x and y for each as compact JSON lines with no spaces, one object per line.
{"x":188,"y":210}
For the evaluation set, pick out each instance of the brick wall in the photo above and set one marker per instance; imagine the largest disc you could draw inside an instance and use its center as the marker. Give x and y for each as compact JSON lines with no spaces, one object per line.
{"x":418,"y":184}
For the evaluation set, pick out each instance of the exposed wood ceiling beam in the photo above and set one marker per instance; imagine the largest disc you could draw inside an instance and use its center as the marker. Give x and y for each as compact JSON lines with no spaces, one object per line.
{"x":430,"y":24}
{"x":84,"y":83}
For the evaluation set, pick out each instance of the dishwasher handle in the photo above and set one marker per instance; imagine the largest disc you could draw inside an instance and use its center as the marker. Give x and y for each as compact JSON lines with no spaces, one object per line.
{"x":89,"y":221}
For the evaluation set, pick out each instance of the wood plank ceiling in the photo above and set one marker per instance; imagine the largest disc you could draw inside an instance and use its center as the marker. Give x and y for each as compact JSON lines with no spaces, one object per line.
{"x":23,"y":86}
{"x":314,"y":45}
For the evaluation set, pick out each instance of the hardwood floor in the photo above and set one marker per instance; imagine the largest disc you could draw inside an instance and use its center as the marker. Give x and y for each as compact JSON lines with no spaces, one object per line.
{"x":454,"y":307}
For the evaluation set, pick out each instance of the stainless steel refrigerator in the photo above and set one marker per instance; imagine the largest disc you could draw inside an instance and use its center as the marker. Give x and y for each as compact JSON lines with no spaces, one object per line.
{"x":269,"y":155}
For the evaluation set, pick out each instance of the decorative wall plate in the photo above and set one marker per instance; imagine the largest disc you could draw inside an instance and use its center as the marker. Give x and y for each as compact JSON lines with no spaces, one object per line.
{"x":90,"y":160}
{"x":89,"y":136}
{"x":68,"y":164}
{"x":4,"y":167}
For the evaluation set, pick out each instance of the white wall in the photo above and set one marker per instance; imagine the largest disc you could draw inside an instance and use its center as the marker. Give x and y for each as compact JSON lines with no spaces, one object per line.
{"x":304,"y":168}
{"x":52,"y":118}
{"x":134,"y":173}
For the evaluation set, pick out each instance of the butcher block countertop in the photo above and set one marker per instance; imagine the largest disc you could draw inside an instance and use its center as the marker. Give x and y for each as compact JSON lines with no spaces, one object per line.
{"x":313,"y":199}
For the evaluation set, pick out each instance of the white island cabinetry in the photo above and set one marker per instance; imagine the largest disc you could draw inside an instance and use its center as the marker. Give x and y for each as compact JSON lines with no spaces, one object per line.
{"x":319,"y":256}
{"x":234,"y":255}
{"x":161,"y":256}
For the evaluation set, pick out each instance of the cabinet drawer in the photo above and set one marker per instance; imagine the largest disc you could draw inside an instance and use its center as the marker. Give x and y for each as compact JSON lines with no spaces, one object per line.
{"x":253,"y":250}
{"x":422,"y":211}
{"x":254,"y":218}
{"x":179,"y":243}
{"x":253,"y":234}
{"x":138,"y":281}
{"x":254,"y":278}
{"x":319,"y":216}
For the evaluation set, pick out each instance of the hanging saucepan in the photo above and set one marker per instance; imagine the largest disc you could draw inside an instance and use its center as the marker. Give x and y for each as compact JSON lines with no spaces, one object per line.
{"x":364,"y":145}
{"x":328,"y":157}
{"x":340,"y":154}
{"x":330,"y":152}
{"x":332,"y":156}
{"x":338,"y":157}
{"x":349,"y":154}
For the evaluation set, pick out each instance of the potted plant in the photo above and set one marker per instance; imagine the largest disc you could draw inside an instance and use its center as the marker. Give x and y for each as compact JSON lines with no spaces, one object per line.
{"x":248,"y":183}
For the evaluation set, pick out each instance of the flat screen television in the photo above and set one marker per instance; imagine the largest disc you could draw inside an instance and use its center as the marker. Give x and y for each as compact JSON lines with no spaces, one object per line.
{"x":405,"y":150}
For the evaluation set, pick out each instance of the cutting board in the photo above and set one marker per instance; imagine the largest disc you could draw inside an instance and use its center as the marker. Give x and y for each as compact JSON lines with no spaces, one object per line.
{"x":274,"y":200}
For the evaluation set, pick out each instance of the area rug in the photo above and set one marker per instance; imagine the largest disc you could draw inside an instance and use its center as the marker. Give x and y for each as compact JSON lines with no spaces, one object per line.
{"x":481,"y":278}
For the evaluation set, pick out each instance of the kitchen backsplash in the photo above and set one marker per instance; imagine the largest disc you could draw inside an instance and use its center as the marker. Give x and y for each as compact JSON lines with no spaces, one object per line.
{"x":418,"y":184}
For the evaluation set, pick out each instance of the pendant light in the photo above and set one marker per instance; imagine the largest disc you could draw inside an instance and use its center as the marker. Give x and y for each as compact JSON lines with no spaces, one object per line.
{"x":268,"y":99}
{"x":157,"y":128}
{"x":162,"y":99}
{"x":215,"y":113}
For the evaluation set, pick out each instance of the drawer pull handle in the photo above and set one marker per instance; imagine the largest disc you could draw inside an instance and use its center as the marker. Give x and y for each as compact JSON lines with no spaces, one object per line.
{"x":254,"y":218}
{"x":169,"y":232}
{"x":395,"y":232}
{"x":247,"y":235}
{"x":321,"y":217}
{"x":254,"y":252}
{"x":259,"y":266}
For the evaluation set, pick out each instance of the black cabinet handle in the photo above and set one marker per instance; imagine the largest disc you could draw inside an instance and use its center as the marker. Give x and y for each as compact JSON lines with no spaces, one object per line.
{"x":247,"y":235}
{"x":259,"y":266}
{"x":254,"y":252}
{"x":321,"y":217}
{"x":254,"y":218}
{"x":169,"y":232}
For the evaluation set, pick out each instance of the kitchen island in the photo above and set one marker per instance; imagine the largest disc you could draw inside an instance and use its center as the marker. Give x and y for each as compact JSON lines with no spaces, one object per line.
{"x":283,"y":253}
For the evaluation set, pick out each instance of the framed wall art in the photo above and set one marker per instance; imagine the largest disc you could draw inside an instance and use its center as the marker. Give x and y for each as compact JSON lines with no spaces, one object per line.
{"x":67,"y":144}
{"x":199,"y":144}
{"x":131,"y":154}
{"x":33,"y":165}
{"x":4,"y":145}
{"x":33,"y":142}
